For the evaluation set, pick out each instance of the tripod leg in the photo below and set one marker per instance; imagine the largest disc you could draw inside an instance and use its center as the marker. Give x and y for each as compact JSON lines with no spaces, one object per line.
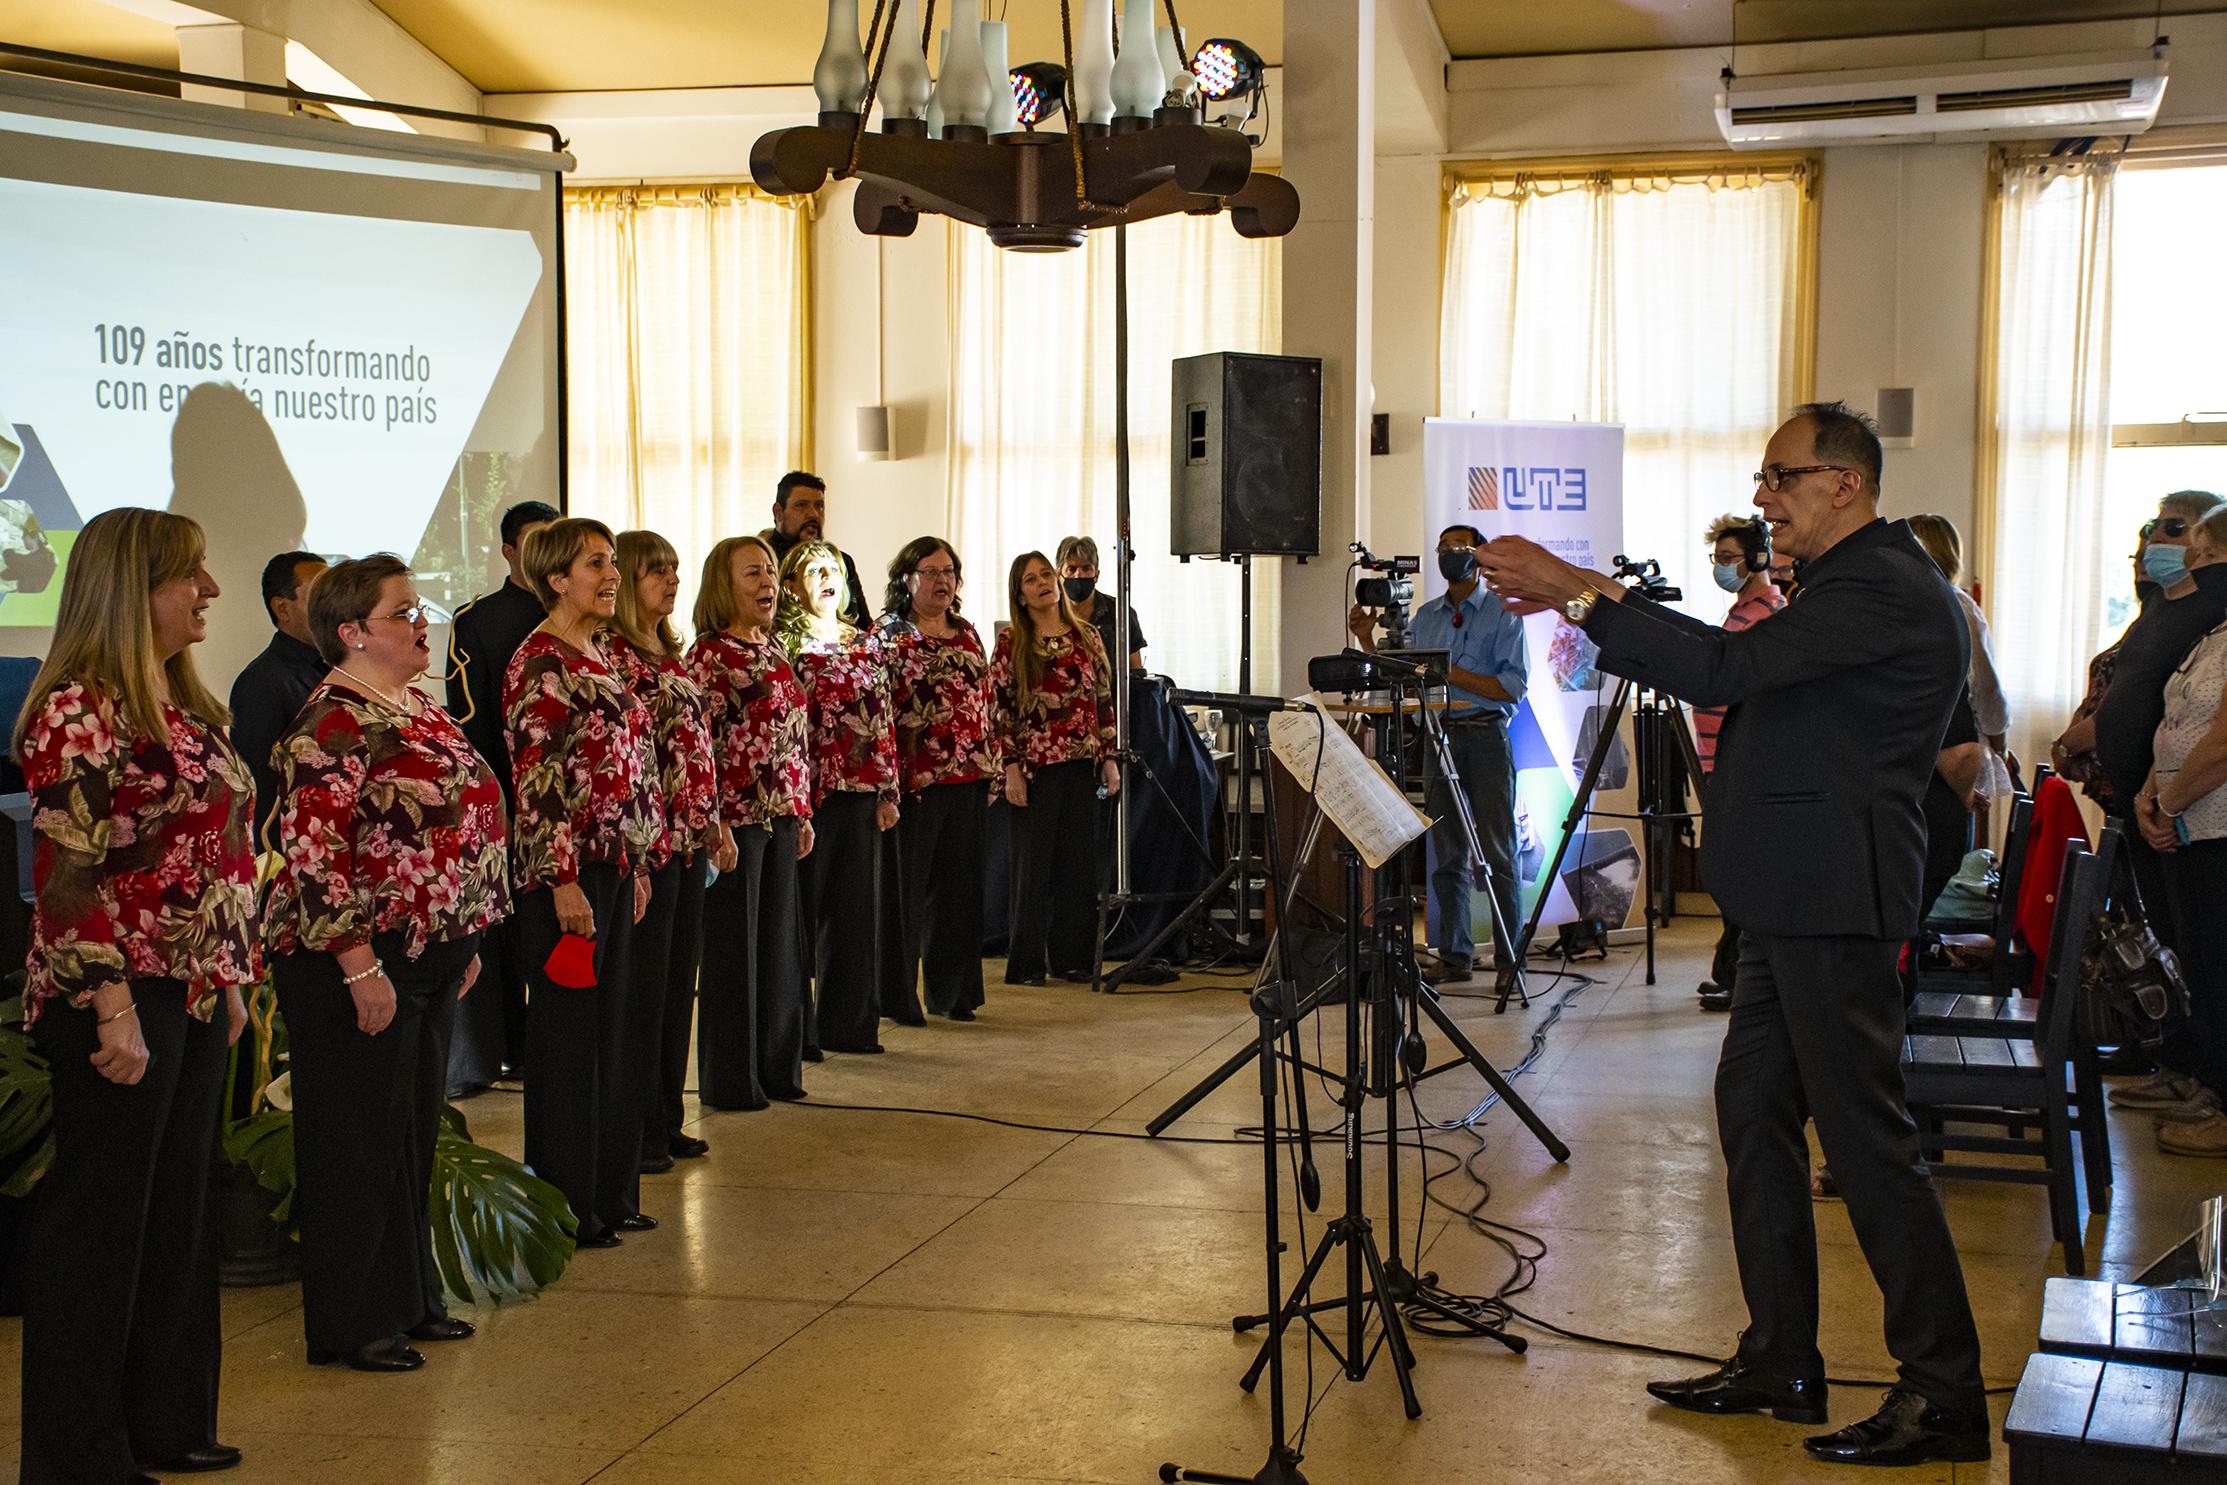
{"x":1403,"y":1359}
{"x":1293,"y":1308}
{"x":1499,"y":1084}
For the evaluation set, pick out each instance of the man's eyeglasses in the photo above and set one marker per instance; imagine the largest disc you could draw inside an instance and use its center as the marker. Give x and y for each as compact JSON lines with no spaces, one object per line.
{"x":2170,"y":527}
{"x":1773,"y":477}
{"x":410,"y":615}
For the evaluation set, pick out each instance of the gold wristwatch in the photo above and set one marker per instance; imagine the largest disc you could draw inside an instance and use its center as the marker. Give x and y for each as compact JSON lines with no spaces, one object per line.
{"x":1580,"y":608}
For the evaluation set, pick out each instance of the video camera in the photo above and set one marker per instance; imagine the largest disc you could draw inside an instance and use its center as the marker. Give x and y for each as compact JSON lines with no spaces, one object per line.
{"x":1392,"y":592}
{"x":1646,"y":577}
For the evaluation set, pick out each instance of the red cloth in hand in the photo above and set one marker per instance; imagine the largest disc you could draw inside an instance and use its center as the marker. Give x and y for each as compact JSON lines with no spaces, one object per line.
{"x":2057,"y":822}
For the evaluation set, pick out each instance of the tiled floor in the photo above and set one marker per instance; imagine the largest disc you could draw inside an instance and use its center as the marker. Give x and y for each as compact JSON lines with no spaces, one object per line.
{"x":840,"y":1296}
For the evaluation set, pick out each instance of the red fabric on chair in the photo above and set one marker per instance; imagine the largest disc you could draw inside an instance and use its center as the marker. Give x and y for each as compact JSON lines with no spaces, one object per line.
{"x":2057,"y":821}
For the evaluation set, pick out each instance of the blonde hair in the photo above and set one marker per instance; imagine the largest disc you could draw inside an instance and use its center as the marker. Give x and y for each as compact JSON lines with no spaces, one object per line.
{"x":716,"y":608}
{"x":1939,"y":536}
{"x":551,"y":550}
{"x":792,"y":621}
{"x":638,"y":552}
{"x":104,"y":625}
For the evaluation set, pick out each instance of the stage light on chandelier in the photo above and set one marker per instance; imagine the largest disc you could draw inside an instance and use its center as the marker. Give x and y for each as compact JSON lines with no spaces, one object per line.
{"x":1226,"y":69}
{"x":1039,"y":91}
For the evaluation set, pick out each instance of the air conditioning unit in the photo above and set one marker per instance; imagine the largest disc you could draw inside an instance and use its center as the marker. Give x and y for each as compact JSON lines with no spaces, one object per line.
{"x":2021,"y":98}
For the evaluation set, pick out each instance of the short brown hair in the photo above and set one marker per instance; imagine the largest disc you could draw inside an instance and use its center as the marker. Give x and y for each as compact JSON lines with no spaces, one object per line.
{"x":552,"y":549}
{"x":346,"y":594}
{"x":1942,"y":542}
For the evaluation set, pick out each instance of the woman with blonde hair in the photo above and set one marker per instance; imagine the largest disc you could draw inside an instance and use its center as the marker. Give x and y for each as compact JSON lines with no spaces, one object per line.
{"x":587,"y":818}
{"x":854,"y":795}
{"x":751,"y":1005}
{"x":142,"y":934}
{"x":1051,"y":707}
{"x":647,"y":655}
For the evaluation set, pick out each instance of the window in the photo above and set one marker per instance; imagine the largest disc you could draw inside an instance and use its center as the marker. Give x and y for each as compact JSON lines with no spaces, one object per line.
{"x":1032,"y":450}
{"x":685,"y":339}
{"x":1674,"y":298}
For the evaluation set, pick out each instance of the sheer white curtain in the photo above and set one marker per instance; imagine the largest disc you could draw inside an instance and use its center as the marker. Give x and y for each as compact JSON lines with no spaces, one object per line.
{"x":1671,"y":304}
{"x":686,"y":332}
{"x":1032,"y":452}
{"x":2051,"y":559}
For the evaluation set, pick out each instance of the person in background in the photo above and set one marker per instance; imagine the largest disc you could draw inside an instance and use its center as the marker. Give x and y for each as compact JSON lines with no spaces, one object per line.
{"x":390,"y":827}
{"x":586,"y":822}
{"x":939,"y":675}
{"x":2182,"y":811}
{"x":752,"y":1005}
{"x":1740,"y":562}
{"x":271,"y":688}
{"x":854,"y":795}
{"x":647,"y":655}
{"x":1051,"y":714}
{"x":2189,"y":605}
{"x":142,"y":933}
{"x":490,"y":1041}
{"x":800,"y":514}
{"x":1990,"y":711}
{"x":2074,"y":751}
{"x":1488,"y":669}
{"x":1078,"y":577}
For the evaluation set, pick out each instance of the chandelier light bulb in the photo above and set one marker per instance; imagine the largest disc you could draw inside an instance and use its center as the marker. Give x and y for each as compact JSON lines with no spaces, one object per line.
{"x":964,"y":87}
{"x":1094,"y":64}
{"x":839,"y":76}
{"x":904,"y":89}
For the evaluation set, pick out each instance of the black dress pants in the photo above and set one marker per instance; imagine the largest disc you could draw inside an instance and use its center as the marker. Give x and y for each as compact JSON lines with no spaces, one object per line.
{"x":367,"y":1111}
{"x":2196,"y":889}
{"x":120,"y":1319}
{"x":939,"y":844}
{"x":583,"y":1109}
{"x":670,"y":942}
{"x":898,"y":993}
{"x":1816,"y":1032}
{"x":845,"y":924}
{"x":1055,"y":875}
{"x":490,"y":1031}
{"x":750,"y":999}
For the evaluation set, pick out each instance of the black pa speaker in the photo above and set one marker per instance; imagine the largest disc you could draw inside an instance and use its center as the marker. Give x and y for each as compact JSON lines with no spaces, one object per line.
{"x":1247,"y":456}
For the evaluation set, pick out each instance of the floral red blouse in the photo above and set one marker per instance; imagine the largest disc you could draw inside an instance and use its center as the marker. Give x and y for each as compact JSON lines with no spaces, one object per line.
{"x":580,"y":765}
{"x":1068,"y":716}
{"x":386,"y":824}
{"x":680,"y":745}
{"x":854,"y":741}
{"x":143,"y":860}
{"x":760,"y":731}
{"x":941,"y":693}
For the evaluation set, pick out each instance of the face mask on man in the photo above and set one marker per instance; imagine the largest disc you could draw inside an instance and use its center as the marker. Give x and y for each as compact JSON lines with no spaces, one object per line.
{"x":2167,"y":565}
{"x":1730,"y":576}
{"x":1457,"y":566}
{"x":1078,"y":588}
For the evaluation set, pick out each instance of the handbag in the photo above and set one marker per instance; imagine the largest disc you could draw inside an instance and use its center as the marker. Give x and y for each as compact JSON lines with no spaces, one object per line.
{"x":2130,"y":984}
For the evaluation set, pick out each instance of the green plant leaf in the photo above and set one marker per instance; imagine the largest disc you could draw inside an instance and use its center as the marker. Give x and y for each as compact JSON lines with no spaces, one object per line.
{"x":500,"y":1233}
{"x":26,"y":1105}
{"x":265,"y":1145}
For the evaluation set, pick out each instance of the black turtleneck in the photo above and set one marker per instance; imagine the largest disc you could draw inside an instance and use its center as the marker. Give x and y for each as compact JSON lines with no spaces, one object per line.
{"x":2156,"y":643}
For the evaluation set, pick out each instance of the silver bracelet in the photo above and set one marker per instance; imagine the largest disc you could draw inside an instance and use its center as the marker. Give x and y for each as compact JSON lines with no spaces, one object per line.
{"x":377,"y":968}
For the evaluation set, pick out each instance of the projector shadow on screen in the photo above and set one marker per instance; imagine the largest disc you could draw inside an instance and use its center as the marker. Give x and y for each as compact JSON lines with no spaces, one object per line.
{"x":227,"y":473}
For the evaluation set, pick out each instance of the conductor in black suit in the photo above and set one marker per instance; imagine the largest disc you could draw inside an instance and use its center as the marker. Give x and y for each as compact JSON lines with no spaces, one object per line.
{"x":1814,"y":843}
{"x":490,"y":1032}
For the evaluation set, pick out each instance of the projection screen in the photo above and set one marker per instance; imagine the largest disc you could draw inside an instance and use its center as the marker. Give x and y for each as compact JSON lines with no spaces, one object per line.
{"x":305,"y":335}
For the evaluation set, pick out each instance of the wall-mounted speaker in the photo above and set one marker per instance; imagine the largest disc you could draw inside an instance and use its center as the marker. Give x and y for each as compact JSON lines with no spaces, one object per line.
{"x":1246,"y":449}
{"x":873,"y":433}
{"x":1898,"y":416}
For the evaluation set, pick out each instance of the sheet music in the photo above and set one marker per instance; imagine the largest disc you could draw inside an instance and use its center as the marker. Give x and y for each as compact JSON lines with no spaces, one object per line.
{"x":1353,"y":791}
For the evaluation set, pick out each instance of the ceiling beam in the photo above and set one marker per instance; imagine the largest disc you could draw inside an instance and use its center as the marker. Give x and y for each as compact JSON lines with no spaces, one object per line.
{"x":1411,"y":61}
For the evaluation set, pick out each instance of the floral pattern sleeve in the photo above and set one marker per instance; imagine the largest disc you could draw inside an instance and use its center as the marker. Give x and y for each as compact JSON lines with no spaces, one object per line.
{"x":941,"y":698}
{"x":854,"y":742}
{"x":686,"y":776}
{"x":321,"y":774}
{"x":1067,"y":717}
{"x":580,"y":763}
{"x":73,"y":762}
{"x":760,"y":729}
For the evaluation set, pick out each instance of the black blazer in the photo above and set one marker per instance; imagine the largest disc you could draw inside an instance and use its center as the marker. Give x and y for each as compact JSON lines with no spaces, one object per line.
{"x":266,"y":697}
{"x":486,"y":633}
{"x":1838,"y":706}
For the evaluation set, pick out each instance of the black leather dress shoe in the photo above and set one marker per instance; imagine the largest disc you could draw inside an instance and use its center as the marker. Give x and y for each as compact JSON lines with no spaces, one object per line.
{"x":636,"y":1223}
{"x":688,"y":1147}
{"x":389,"y":1355}
{"x":604,"y":1239}
{"x":1736,"y":1387}
{"x":655,"y":1163}
{"x":1906,"y":1430}
{"x":961,"y":1014}
{"x":913,"y":1018}
{"x":200,"y":1461}
{"x":442,"y":1328}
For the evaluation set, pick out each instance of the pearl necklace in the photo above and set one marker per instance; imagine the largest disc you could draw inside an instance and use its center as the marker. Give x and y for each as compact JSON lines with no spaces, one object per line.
{"x":400,"y":706}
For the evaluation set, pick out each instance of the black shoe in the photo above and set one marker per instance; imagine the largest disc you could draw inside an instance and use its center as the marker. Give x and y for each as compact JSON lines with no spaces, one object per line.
{"x":814,"y":1054}
{"x":511,"y":1074}
{"x":787,"y":1095}
{"x":389,"y":1355}
{"x":604,"y":1239}
{"x":441,"y":1328}
{"x":688,"y":1147}
{"x":961,"y":1014}
{"x":1713,"y":999}
{"x":1077,"y":977}
{"x":1906,"y":1430}
{"x":655,"y":1164}
{"x":636,"y":1223}
{"x":1735,"y":1387}
{"x":1025,"y":980}
{"x":200,"y":1461}
{"x":866,"y":1051}
{"x":913,"y":1018}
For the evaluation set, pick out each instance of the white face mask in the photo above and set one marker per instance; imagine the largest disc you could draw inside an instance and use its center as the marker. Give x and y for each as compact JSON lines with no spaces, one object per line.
{"x":1730,"y":576}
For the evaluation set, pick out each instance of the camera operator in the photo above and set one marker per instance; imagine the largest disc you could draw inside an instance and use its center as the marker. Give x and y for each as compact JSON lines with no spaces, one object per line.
{"x":1488,"y":671}
{"x":1815,"y":846}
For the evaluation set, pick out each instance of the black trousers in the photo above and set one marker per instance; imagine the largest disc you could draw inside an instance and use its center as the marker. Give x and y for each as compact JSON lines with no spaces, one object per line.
{"x":670,"y":943}
{"x":1724,"y":963}
{"x":939,"y":847}
{"x":490,"y":1031}
{"x":2196,"y":889}
{"x":844,"y":929}
{"x":583,"y":1107}
{"x":750,"y":998}
{"x":1055,"y":875}
{"x":120,"y":1319}
{"x":1816,"y":1033}
{"x":898,"y":990}
{"x":367,"y":1111}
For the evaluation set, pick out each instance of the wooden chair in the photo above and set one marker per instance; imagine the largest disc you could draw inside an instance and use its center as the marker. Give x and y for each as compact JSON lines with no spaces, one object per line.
{"x":2009,"y":965}
{"x":2020,"y":1086}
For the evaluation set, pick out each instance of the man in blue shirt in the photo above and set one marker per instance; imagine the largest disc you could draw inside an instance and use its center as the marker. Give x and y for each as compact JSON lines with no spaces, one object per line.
{"x":1489,"y":672}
